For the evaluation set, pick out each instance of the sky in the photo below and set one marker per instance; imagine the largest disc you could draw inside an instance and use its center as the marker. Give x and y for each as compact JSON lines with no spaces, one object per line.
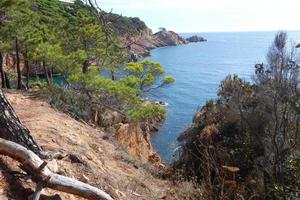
{"x":211,"y":15}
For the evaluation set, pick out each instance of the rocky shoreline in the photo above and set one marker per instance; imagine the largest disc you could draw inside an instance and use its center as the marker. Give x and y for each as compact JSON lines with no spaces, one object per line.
{"x":142,"y":43}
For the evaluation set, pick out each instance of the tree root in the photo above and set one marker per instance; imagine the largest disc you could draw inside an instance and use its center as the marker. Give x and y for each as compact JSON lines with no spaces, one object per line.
{"x":41,"y":174}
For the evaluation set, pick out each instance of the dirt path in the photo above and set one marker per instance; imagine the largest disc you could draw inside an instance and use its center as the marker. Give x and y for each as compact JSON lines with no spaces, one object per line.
{"x":96,"y":160}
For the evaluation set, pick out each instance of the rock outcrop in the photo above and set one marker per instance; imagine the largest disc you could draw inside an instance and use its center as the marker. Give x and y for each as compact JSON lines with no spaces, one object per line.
{"x":134,"y":136}
{"x":168,"y":38}
{"x":140,"y":44}
{"x":298,"y":45}
{"x":105,"y":117}
{"x":196,"y":38}
{"x":137,"y":142}
{"x":138,"y":38}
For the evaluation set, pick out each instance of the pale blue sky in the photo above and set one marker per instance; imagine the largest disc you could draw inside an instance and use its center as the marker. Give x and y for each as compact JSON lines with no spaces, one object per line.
{"x":211,"y":15}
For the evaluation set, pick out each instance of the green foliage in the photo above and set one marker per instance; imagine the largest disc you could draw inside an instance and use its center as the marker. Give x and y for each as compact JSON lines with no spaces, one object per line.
{"x":144,"y":76}
{"x":51,"y":54}
{"x":64,"y":100}
{"x":294,"y":168}
{"x":253,"y":127}
{"x":123,"y":25}
{"x":4,"y":4}
{"x":116,"y":93}
{"x":68,"y":39}
{"x":104,"y":86}
{"x":143,"y":112}
{"x":168,"y":80}
{"x":17,"y":22}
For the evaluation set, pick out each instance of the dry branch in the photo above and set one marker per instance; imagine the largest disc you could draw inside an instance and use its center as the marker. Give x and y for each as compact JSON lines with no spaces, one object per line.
{"x":32,"y":165}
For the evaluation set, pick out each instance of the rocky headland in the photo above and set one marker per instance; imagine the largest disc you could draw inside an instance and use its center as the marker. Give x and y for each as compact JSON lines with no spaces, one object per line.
{"x":140,"y":44}
{"x":139,"y":39}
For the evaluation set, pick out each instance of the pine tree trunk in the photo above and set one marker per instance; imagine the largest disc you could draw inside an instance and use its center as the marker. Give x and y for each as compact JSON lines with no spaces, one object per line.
{"x":27,"y":73}
{"x":27,"y":67}
{"x":3,"y":82}
{"x":46,"y":72}
{"x":7,"y":83}
{"x":85,"y":67}
{"x":113,"y":75}
{"x":12,"y":129}
{"x":51,"y":74}
{"x":19,"y":86}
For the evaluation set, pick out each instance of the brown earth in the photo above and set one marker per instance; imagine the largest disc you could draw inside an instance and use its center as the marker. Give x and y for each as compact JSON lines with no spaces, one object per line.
{"x":95,"y":159}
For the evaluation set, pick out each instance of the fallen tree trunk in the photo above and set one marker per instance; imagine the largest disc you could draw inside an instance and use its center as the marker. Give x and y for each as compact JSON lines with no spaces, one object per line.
{"x":40,"y":173}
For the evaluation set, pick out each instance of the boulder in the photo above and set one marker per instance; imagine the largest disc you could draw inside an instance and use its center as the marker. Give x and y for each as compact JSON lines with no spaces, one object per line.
{"x":53,"y":166}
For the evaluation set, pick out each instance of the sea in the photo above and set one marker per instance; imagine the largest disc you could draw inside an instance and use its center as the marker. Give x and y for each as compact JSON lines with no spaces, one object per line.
{"x":198,"y":69}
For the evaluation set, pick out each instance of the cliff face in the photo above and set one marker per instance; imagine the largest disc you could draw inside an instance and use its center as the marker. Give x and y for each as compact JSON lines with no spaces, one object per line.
{"x":168,"y":38}
{"x":137,"y":142}
{"x":135,"y":137}
{"x":142,"y":42}
{"x":138,"y":38}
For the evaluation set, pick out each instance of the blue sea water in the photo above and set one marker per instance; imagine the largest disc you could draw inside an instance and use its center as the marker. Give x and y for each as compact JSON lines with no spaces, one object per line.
{"x":198,"y":69}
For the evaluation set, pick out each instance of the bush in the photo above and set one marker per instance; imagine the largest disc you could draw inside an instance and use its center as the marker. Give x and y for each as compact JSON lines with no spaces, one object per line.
{"x":245,"y":144}
{"x":65,"y":100}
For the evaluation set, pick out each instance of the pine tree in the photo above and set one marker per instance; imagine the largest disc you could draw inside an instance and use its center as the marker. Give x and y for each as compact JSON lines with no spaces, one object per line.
{"x":16,"y":22}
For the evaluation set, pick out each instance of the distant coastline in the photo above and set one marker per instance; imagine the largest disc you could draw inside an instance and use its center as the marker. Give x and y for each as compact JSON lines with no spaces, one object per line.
{"x":144,"y":41}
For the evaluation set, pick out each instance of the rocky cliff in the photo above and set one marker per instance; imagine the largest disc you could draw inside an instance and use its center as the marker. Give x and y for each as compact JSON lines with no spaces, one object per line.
{"x":134,"y":137}
{"x":140,"y":44}
{"x":139,"y":39}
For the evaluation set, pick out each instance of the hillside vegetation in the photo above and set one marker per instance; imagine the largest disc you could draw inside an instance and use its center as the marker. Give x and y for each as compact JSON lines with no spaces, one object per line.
{"x":245,"y":144}
{"x":79,"y":43}
{"x":42,"y":41}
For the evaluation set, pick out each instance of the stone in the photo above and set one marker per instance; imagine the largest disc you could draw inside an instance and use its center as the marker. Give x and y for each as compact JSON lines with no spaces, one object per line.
{"x":115,"y":193}
{"x":84,"y":178}
{"x":89,"y":157}
{"x":52,"y":165}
